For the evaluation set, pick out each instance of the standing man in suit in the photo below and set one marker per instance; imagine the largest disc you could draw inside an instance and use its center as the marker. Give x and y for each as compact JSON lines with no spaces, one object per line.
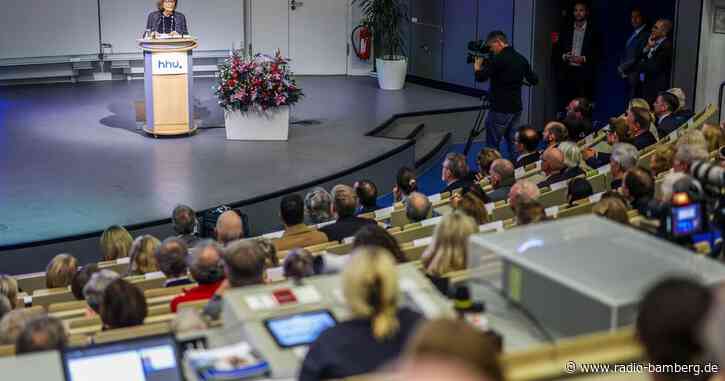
{"x":576,"y":54}
{"x":635,"y":44}
{"x":655,"y":61}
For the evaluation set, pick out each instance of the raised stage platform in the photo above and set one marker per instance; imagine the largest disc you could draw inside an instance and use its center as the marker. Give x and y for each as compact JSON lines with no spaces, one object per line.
{"x":72,"y":161}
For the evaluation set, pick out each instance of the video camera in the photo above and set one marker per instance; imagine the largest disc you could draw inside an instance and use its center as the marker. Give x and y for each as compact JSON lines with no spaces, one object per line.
{"x":478,"y":48}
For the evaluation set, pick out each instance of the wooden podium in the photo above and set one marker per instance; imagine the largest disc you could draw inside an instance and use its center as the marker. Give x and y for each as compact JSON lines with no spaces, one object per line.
{"x":168,"y":84}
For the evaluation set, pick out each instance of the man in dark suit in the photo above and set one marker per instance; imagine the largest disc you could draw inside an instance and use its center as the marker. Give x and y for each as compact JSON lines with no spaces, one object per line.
{"x":576,"y":54}
{"x":367,"y":193}
{"x":664,"y":109}
{"x":455,"y":172}
{"x":655,"y":61}
{"x":527,"y":143}
{"x":552,"y":164}
{"x":638,"y":121}
{"x":502,"y":179}
{"x":635,"y":44}
{"x":344,"y":206}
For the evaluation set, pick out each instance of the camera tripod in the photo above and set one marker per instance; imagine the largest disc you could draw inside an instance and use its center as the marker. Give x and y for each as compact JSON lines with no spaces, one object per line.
{"x":478,"y":124}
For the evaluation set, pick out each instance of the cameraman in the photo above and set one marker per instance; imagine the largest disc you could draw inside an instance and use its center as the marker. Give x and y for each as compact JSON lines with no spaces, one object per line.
{"x":508,"y":71}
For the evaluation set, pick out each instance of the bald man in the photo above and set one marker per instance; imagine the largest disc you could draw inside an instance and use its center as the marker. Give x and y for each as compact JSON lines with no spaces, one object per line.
{"x":655,"y":61}
{"x":418,"y":207}
{"x":502,"y":179}
{"x":344,"y":206}
{"x":523,"y":191}
{"x":205,"y":266}
{"x":228,"y":227}
{"x":552,"y":164}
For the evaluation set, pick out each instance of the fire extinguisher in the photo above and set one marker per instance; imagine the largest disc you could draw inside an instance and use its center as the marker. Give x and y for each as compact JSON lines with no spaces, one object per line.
{"x":365,"y":36}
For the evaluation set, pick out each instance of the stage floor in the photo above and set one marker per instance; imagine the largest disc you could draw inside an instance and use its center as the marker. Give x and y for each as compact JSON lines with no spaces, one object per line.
{"x":72,"y":161}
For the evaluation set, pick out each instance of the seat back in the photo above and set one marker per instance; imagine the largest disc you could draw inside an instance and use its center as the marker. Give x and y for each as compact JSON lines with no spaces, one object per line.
{"x":131,"y":332}
{"x":410,"y":235}
{"x":53,"y":295}
{"x":31,"y":282}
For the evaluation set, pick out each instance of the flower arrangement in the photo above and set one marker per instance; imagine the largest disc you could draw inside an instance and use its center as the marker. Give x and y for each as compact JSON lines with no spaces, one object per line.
{"x":256,"y":83}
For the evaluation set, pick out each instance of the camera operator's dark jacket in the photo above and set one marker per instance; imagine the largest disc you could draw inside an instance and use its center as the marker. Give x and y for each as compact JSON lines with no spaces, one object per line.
{"x":507,"y":71}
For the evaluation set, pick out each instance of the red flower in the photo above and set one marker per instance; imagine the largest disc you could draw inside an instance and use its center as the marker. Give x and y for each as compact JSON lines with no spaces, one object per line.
{"x":231,"y":83}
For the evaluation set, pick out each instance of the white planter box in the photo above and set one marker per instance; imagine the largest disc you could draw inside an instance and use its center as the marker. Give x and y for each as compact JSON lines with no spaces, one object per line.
{"x":272,"y":124}
{"x":391,"y":73}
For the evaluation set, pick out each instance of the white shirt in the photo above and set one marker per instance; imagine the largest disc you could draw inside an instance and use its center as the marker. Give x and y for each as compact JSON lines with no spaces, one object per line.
{"x":577,"y":41}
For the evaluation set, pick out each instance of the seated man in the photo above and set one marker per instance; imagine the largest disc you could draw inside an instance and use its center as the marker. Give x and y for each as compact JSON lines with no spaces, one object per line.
{"x":296,"y":233}
{"x":555,"y":133}
{"x":229,"y":227}
{"x":183,"y":220}
{"x":367,"y":193}
{"x":455,"y":172}
{"x":418,"y":207}
{"x":42,"y":333}
{"x":527,"y":145}
{"x":686,"y":155}
{"x":318,"y":206}
{"x":638,"y":188}
{"x":171,"y":257}
{"x":344,"y":206}
{"x":638,"y":121}
{"x":405,"y":184}
{"x":205,"y":265}
{"x":522,"y":191}
{"x":502,"y":179}
{"x":578,"y":120}
{"x":683,"y":114}
{"x":623,"y":158}
{"x":664,"y":109}
{"x":552,"y":164}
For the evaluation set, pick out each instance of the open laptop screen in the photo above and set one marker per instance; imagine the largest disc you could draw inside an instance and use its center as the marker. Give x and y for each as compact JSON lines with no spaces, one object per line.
{"x":149,"y":359}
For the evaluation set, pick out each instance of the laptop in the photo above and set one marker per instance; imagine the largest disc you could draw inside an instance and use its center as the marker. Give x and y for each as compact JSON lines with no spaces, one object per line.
{"x":153,"y":358}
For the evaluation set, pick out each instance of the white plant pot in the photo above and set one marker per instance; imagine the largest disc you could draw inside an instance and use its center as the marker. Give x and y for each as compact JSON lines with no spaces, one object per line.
{"x":391,"y":73}
{"x":272,"y":124}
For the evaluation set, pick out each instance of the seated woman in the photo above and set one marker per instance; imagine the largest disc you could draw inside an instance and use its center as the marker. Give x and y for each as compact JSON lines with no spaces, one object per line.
{"x":378,"y":330}
{"x":470,"y":205}
{"x":60,"y":271}
{"x":167,"y":20}
{"x":374,"y":235}
{"x":123,"y":305}
{"x":449,"y":250}
{"x":115,"y":243}
{"x":142,"y":259}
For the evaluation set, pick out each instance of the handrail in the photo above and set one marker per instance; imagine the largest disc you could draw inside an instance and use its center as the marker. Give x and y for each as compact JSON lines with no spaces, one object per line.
{"x":719,"y":101}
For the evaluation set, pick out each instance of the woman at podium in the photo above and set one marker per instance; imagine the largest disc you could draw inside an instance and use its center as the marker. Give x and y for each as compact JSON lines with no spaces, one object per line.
{"x":167,"y":20}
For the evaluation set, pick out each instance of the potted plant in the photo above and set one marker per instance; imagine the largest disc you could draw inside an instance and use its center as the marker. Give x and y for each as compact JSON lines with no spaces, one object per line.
{"x":384,"y":18}
{"x":256,"y":93}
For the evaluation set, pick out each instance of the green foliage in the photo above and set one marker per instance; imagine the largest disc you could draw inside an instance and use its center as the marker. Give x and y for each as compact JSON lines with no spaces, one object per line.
{"x":384,"y":18}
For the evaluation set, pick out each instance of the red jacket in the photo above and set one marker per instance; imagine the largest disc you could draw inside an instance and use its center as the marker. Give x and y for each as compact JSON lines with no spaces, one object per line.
{"x":200,"y":292}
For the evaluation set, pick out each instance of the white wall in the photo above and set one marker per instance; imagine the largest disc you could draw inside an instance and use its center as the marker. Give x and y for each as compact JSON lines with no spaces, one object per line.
{"x":711,"y":70}
{"x":357,"y":66}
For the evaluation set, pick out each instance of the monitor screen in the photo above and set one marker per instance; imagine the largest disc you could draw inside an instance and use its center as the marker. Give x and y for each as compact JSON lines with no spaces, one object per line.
{"x":299,"y":329}
{"x":686,"y":220}
{"x":147,"y":359}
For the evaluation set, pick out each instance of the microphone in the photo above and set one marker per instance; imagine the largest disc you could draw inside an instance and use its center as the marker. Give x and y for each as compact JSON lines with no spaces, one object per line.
{"x":708,"y":173}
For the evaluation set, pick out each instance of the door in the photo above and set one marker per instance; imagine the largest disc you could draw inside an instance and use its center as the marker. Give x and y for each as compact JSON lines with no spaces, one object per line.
{"x":313,"y":33}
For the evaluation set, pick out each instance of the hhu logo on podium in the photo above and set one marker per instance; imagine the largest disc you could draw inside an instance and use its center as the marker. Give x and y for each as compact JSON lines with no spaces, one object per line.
{"x":169,"y":63}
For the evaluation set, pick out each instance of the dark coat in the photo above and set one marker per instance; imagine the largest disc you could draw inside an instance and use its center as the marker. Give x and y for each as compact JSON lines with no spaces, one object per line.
{"x":656,"y":70}
{"x":591,"y":48}
{"x":667,"y":125}
{"x":155,"y":23}
{"x":527,"y":159}
{"x":345,"y":227}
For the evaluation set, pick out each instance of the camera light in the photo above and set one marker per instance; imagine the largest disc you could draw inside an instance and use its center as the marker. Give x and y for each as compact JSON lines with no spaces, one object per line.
{"x":679,"y":199}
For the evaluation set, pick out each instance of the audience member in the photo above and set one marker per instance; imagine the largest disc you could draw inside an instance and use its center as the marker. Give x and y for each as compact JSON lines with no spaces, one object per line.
{"x":668,"y":185}
{"x":270,"y":252}
{"x":123,"y":305}
{"x":13,"y":323}
{"x":578,"y":120}
{"x":60,"y":271}
{"x":529,"y":212}
{"x":171,"y":257}
{"x":662,"y":160}
{"x":664,"y":108}
{"x":552,"y":164}
{"x":486,"y":156}
{"x":474,"y":353}
{"x":573,"y":159}
{"x":671,"y":317}
{"x":95,"y":289}
{"x":183,"y":219}
{"x":686,"y":155}
{"x":613,"y":208}
{"x":523,"y":190}
{"x":296,"y":233}
{"x":471,"y":206}
{"x":449,"y":249}
{"x":623,"y":158}
{"x":692,"y":137}
{"x":378,"y":330}
{"x":714,"y":137}
{"x":142,"y":255}
{"x":206,"y":268}
{"x":367,"y":193}
{"x":229,"y":227}
{"x":455,"y":172}
{"x":376,"y":236}
{"x":5,"y":306}
{"x":115,"y":243}
{"x":638,"y":121}
{"x":347,"y":224}
{"x":405,"y":184}
{"x":9,"y":288}
{"x":578,"y":189}
{"x":502,"y":179}
{"x":577,"y":54}
{"x":655,"y":61}
{"x":298,"y":264}
{"x":527,"y":145}
{"x":318,"y":206}
{"x":81,"y":279}
{"x":682,"y":113}
{"x":638,"y":189}
{"x":42,"y":333}
{"x":634,"y":45}
{"x":643,"y":104}
{"x":418,"y":207}
{"x":555,"y":133}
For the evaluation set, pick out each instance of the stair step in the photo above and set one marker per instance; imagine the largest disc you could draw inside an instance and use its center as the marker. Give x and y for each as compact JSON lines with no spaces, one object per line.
{"x":402,"y":130}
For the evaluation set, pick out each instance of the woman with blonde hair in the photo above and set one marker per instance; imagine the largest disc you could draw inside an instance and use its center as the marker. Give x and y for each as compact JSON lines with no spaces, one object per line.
{"x":641,"y":103}
{"x":378,"y":330}
{"x":713,"y":136}
{"x":142,"y":252}
{"x":663,"y":158}
{"x":449,"y":249}
{"x":9,"y":288}
{"x":573,"y":156}
{"x":470,"y":205}
{"x":115,"y":243}
{"x":60,"y":271}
